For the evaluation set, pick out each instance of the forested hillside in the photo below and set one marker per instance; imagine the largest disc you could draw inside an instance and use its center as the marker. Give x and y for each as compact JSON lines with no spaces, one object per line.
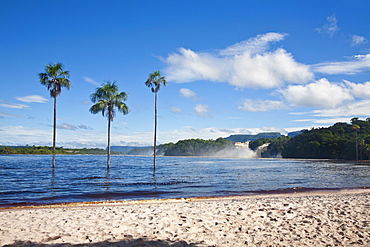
{"x":340,"y":141}
{"x":196,"y":147}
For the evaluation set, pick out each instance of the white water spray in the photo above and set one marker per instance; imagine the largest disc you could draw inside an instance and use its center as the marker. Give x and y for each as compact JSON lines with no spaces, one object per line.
{"x":241,"y":150}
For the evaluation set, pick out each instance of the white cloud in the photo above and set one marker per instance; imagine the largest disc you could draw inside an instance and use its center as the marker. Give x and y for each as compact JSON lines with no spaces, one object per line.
{"x":360,"y":90}
{"x":187,"y":93}
{"x":83,"y":126}
{"x":20,"y":135}
{"x":134,"y":144}
{"x":358,"y":64}
{"x":214,"y":133}
{"x":254,"y":45}
{"x":32,"y":99}
{"x":329,"y":28}
{"x":359,"y":108}
{"x":13,"y":105}
{"x":322,"y":94}
{"x":176,"y":110}
{"x":66,"y":126}
{"x":247,"y":64}
{"x":329,"y":121}
{"x":190,"y":66}
{"x":6,"y":115}
{"x":262,"y":105}
{"x":202,"y":110}
{"x":92,"y":81}
{"x":358,"y":40}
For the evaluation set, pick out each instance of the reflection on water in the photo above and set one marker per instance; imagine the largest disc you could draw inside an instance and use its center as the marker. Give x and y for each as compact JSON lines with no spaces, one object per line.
{"x":29,"y":179}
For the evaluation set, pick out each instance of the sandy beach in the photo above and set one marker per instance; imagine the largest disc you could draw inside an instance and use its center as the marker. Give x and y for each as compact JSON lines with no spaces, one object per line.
{"x":340,"y":218}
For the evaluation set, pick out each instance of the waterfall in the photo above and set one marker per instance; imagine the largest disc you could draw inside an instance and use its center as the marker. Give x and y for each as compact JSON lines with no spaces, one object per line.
{"x":243,"y":150}
{"x":261,"y":149}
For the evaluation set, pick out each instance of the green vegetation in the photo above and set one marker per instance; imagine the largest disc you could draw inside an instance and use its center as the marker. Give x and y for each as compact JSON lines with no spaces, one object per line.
{"x":340,"y":141}
{"x":49,"y":150}
{"x":274,"y":149}
{"x":196,"y":147}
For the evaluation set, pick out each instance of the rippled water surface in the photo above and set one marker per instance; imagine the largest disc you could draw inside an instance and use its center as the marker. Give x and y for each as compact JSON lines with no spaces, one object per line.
{"x":30,"y":179}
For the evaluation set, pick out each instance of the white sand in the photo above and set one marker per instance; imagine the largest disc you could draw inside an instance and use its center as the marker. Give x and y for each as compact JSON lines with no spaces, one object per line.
{"x":306,"y":219}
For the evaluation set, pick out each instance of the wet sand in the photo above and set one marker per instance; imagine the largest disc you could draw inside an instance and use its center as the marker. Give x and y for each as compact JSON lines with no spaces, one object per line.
{"x":335,"y":218}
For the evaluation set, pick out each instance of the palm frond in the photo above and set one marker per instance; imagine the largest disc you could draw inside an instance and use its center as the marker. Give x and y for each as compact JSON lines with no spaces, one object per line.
{"x":107,"y":98}
{"x":55,"y":78}
{"x":100,"y":106}
{"x":155,"y":80}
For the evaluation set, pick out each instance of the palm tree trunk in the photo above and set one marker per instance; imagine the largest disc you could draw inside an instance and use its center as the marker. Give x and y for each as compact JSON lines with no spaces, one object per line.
{"x":155,"y":128}
{"x":108,"y":152}
{"x":55,"y":129}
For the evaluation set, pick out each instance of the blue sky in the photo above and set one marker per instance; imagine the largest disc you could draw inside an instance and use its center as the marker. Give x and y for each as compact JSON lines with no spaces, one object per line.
{"x":233,"y":67}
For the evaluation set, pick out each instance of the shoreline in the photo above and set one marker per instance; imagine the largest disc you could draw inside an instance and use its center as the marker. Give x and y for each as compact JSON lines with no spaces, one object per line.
{"x":321,"y":218}
{"x":261,"y":194}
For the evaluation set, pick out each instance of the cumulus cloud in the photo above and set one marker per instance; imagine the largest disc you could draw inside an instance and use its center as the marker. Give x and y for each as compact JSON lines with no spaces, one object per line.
{"x":359,"y":108}
{"x":330,"y":27}
{"x":358,"y":40}
{"x":322,"y":94}
{"x":248,"y":64}
{"x":187,"y":93}
{"x":32,"y":99}
{"x":202,"y":110}
{"x":262,"y":105}
{"x":358,"y":64}
{"x":359,"y":90}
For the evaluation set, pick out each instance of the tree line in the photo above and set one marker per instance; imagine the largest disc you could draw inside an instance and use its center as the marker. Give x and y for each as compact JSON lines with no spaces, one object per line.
{"x":49,"y":150}
{"x":195,"y":147}
{"x":340,"y":141}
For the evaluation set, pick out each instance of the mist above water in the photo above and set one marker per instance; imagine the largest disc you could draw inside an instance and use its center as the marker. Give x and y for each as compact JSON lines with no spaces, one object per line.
{"x":241,"y":150}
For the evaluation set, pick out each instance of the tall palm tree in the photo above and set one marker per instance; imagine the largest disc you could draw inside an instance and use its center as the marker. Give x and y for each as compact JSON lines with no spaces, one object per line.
{"x":106,"y":99}
{"x":154,"y":82}
{"x":55,"y":77}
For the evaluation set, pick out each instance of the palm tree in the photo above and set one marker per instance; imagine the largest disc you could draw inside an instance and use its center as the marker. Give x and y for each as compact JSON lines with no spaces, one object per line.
{"x":55,"y":77}
{"x":154,"y":82}
{"x":106,"y":99}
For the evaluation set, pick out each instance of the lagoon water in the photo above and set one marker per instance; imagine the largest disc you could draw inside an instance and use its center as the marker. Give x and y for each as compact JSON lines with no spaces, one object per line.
{"x":30,"y":179}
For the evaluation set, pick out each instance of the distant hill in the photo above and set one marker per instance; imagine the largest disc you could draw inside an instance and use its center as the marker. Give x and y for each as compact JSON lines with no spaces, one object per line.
{"x":246,"y":138}
{"x":295,"y":133}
